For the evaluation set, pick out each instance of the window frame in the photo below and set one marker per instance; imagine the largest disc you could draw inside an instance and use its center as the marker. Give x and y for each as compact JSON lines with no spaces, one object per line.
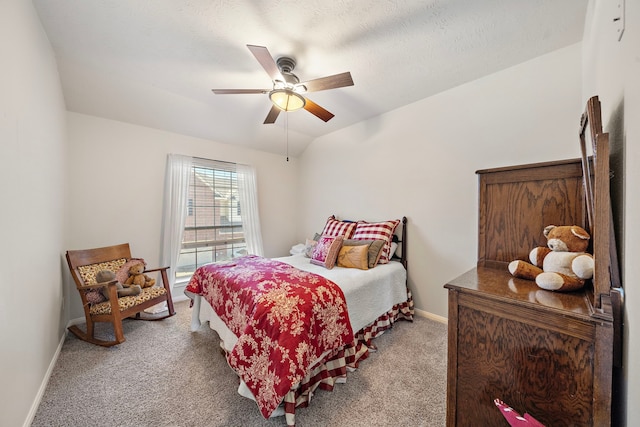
{"x":205,"y":241}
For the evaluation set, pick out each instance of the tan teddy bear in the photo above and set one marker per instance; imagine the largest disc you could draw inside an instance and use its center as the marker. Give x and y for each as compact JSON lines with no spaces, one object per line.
{"x":561,"y":266}
{"x":137,"y":277}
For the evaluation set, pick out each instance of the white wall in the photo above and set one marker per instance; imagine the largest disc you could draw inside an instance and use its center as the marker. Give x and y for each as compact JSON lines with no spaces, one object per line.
{"x":611,"y":70}
{"x":116,"y":174}
{"x":420,"y":161}
{"x":32,"y":218}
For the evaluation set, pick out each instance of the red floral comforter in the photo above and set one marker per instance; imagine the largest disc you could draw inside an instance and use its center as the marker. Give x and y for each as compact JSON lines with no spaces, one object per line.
{"x":284,"y":318}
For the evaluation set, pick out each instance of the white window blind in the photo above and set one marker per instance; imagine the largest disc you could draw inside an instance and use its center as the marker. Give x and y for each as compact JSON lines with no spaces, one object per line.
{"x":213,"y":229}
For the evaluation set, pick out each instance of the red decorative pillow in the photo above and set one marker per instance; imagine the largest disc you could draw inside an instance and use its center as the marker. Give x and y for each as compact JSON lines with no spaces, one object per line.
{"x":326,"y":251}
{"x":334,"y":227}
{"x":377,"y":231}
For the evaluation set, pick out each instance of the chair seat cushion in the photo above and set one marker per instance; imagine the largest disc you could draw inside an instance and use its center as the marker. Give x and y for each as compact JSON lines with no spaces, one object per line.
{"x":127,"y":302}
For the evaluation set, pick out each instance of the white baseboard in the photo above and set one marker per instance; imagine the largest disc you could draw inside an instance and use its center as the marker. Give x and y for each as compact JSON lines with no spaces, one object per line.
{"x":76,"y":321}
{"x":179,"y":298}
{"x":431,"y":316}
{"x":43,"y":385}
{"x":177,"y":293}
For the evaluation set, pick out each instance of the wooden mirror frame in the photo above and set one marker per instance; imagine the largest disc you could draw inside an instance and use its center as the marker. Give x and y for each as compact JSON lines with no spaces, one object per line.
{"x":595,"y":168}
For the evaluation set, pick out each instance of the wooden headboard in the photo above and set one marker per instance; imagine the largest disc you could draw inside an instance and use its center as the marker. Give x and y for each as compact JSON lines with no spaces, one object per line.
{"x":400,"y":237}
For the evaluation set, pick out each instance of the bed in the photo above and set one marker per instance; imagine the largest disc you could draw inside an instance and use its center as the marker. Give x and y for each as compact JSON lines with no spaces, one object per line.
{"x":291,"y":325}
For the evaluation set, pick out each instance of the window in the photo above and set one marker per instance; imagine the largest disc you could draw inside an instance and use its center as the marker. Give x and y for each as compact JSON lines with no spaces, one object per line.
{"x":213,"y":229}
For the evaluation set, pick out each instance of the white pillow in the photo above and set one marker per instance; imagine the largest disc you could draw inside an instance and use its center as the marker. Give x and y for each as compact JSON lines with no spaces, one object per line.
{"x":309,"y":245}
{"x":297,"y":249}
{"x":394,"y":246}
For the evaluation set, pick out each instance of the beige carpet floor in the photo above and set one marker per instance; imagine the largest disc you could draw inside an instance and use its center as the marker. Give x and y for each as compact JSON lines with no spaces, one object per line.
{"x":166,"y":375}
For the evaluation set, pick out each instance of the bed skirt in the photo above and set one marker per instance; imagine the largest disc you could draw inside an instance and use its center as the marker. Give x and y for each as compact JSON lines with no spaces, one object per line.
{"x":333,"y":368}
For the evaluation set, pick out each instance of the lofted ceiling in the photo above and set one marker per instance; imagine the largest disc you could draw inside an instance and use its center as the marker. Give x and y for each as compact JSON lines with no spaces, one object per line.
{"x":154,"y":62}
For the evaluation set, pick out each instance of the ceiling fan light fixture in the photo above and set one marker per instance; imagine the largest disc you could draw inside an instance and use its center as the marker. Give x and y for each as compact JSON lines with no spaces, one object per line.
{"x":287,"y":99}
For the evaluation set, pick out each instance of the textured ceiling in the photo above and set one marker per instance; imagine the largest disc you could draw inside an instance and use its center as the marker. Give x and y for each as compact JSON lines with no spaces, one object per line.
{"x":154,"y":62}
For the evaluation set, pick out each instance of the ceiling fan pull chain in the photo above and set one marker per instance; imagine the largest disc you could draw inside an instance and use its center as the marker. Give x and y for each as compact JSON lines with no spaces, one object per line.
{"x":286,"y":125}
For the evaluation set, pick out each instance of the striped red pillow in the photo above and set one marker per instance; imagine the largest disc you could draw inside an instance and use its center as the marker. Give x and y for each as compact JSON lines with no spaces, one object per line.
{"x":377,"y":231}
{"x":334,"y":227}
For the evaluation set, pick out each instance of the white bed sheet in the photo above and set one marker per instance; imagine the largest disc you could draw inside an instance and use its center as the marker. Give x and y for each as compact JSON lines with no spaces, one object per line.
{"x":369,"y":293}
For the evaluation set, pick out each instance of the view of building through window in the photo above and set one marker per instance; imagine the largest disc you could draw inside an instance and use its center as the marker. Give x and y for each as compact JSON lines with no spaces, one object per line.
{"x":213,"y":228}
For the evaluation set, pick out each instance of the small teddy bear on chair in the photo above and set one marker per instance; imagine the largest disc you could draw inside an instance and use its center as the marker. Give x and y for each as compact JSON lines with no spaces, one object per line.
{"x":106,"y":276}
{"x":561,"y":266}
{"x":137,"y":277}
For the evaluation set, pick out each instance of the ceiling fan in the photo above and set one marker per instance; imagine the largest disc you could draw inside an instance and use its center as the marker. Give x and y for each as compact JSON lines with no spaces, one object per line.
{"x":286,"y":94}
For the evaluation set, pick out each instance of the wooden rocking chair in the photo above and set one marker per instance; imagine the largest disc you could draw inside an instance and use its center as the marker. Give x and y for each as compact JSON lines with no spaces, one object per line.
{"x":84,"y":264}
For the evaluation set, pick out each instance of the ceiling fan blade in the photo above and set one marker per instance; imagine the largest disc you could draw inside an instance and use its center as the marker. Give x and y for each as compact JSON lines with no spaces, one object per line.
{"x":272,"y":116}
{"x":266,"y":60}
{"x":329,"y":82}
{"x":234,"y":91}
{"x":317,"y":110}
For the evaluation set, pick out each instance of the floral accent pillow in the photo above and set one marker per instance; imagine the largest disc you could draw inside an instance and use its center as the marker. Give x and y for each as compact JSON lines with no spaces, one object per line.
{"x":326,"y":251}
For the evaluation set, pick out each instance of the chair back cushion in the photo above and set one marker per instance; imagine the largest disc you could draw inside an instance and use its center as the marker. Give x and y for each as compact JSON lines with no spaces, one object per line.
{"x":88,"y":272}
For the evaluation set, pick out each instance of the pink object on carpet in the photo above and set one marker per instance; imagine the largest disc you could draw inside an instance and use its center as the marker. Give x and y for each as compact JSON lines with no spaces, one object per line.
{"x":514,"y":418}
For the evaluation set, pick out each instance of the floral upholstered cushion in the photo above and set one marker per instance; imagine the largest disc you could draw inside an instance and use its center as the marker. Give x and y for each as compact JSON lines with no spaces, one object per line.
{"x":88,"y":272}
{"x":128,"y":302}
{"x":88,"y":275}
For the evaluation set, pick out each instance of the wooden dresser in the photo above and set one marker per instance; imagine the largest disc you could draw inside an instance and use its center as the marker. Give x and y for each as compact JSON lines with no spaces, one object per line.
{"x":549,"y":354}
